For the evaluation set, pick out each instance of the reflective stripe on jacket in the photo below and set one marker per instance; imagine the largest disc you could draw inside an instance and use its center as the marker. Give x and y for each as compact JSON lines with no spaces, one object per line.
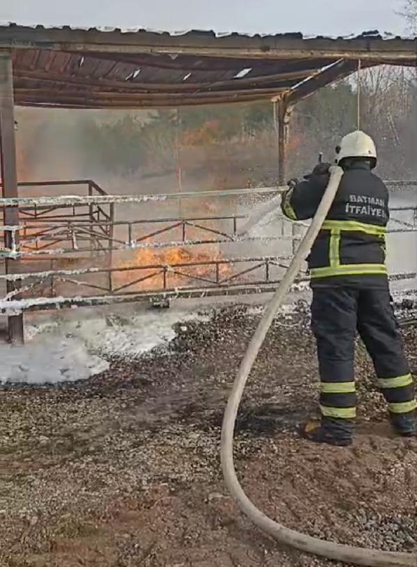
{"x":351,"y":243}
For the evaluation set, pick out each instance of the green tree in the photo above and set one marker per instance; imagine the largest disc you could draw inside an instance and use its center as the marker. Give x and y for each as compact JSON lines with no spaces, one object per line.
{"x":258,"y":118}
{"x":118,"y":147}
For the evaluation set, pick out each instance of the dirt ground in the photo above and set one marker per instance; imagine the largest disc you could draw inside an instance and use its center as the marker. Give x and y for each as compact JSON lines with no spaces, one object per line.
{"x":123,"y":470}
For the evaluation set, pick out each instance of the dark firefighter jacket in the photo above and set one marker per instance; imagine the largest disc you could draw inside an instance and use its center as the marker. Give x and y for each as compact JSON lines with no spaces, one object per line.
{"x":350,"y":248}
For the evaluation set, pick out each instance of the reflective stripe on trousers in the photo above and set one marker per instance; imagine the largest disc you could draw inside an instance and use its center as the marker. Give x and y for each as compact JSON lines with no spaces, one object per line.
{"x":338,"y":313}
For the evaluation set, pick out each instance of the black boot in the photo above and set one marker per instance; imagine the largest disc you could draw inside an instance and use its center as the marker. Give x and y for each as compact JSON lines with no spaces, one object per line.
{"x":318,"y":432}
{"x":404,"y":424}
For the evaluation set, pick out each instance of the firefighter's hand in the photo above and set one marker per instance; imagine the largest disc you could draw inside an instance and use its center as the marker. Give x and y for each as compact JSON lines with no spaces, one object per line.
{"x":292,"y":183}
{"x":321,"y":170}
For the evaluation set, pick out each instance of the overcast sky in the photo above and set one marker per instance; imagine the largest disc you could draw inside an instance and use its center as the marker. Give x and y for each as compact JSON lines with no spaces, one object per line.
{"x":330,"y":17}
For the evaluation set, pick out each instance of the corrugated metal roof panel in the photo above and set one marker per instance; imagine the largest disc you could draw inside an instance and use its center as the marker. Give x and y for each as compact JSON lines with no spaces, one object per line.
{"x":138,"y":68}
{"x":375,"y":34}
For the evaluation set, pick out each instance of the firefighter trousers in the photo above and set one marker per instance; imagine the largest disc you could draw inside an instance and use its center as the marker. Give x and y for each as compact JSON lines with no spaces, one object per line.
{"x":338,"y":314}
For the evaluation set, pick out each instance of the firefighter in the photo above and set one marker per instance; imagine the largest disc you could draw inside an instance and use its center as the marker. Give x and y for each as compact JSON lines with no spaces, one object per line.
{"x":351,"y":292}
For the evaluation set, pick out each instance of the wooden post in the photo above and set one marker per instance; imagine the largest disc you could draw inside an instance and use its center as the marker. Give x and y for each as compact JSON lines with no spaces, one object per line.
{"x":178,"y":156}
{"x":282,"y":114}
{"x":9,"y":181}
{"x":282,"y":117}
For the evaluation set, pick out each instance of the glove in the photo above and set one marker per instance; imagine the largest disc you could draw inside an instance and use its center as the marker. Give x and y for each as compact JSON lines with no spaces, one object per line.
{"x":319,"y":170}
{"x":322,"y":169}
{"x":292,"y":183}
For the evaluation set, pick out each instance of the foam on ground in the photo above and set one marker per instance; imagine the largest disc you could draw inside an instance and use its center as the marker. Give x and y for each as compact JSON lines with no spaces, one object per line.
{"x":76,"y":346}
{"x":49,"y":361}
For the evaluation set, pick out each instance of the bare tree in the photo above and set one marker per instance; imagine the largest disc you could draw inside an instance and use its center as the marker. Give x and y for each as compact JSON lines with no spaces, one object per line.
{"x":388,"y":114}
{"x":409,"y":12}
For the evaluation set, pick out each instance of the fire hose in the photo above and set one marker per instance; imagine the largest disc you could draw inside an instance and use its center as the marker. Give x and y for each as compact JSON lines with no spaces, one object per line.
{"x":284,"y":535}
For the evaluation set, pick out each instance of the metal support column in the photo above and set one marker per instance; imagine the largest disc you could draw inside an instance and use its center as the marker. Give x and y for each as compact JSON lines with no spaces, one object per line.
{"x":9,"y":181}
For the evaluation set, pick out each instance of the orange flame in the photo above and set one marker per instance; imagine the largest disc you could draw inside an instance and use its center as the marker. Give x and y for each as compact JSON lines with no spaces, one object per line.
{"x":171,"y":268}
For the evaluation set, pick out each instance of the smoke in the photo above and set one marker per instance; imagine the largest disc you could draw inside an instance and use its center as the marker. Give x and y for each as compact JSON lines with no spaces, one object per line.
{"x":146,"y":153}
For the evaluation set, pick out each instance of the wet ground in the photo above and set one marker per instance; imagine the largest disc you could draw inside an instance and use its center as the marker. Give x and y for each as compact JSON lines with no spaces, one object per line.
{"x":123,"y":470}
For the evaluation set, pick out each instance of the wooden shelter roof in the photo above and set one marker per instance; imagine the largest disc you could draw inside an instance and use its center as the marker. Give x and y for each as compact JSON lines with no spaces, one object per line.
{"x":99,"y":68}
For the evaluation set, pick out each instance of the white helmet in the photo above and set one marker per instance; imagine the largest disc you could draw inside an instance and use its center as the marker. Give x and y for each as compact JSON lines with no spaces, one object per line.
{"x":356,"y":144}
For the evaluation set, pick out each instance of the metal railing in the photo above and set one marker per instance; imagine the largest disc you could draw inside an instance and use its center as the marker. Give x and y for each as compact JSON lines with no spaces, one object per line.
{"x":47,"y":225}
{"x":84,"y":229}
{"x":158,"y":278}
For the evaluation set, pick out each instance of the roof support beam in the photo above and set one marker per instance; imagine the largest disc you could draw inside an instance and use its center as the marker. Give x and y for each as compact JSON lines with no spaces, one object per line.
{"x":379,"y":57}
{"x":331,"y":74}
{"x":138,"y":104}
{"x":285,"y":46}
{"x":47,"y":92}
{"x":66,"y":99}
{"x":137,"y":86}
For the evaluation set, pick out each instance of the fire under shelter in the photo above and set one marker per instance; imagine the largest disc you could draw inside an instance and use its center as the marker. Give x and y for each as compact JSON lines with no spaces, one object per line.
{"x":139,"y":69}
